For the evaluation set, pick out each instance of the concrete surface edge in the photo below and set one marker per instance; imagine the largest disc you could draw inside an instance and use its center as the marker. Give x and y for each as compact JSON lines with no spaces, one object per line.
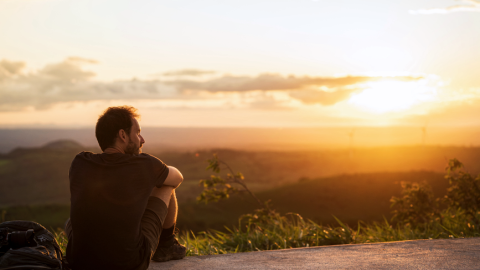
{"x":462,"y":253}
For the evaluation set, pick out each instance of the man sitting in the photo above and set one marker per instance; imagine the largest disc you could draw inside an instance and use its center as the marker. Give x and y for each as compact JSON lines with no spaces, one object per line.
{"x":123,"y":204}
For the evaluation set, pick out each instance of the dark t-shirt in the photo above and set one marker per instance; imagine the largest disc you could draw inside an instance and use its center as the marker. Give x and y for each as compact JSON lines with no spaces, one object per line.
{"x":109,"y":194}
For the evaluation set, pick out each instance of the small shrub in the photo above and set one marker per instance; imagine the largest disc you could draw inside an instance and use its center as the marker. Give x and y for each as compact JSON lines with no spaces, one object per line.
{"x":464,"y":190}
{"x":416,"y":206}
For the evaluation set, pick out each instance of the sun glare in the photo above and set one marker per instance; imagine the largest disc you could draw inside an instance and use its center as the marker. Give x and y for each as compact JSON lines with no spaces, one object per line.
{"x":380,"y":59}
{"x":390,"y":96}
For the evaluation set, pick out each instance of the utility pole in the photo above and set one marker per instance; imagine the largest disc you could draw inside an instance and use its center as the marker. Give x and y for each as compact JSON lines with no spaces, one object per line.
{"x":424,"y":135}
{"x":351,"y":135}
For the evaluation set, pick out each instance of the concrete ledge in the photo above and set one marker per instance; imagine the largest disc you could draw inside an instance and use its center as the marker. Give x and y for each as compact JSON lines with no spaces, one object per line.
{"x":418,"y":254}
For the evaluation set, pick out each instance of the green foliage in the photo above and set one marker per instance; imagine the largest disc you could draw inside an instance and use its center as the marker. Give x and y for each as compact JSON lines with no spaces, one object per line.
{"x":417,"y":216}
{"x":453,"y":224}
{"x":217,"y":188}
{"x":292,"y":231}
{"x":261,"y":216}
{"x":464,"y":190}
{"x":214,"y":164}
{"x":416,"y":206}
{"x":272,"y":233}
{"x":62,"y":239}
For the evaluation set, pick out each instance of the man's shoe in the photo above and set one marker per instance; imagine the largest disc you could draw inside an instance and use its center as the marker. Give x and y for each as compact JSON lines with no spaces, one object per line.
{"x":169,"y":250}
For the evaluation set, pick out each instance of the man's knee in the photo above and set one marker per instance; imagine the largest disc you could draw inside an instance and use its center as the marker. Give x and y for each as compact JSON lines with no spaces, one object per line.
{"x":163,"y":193}
{"x":174,"y":178}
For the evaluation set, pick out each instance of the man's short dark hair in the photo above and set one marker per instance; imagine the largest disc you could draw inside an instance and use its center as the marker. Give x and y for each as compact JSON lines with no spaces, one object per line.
{"x":111,"y":121}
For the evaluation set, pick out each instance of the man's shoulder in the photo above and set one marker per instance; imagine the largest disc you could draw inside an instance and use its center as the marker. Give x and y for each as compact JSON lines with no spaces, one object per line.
{"x":84,"y":154}
{"x":148,"y":156}
{"x":155,"y":160}
{"x":116,"y":158}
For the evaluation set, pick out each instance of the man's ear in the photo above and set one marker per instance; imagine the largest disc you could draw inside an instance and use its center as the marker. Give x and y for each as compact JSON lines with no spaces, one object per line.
{"x":122,"y":135}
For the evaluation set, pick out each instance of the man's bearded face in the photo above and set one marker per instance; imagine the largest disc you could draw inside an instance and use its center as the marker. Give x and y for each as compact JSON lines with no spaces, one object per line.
{"x":132,"y":148}
{"x":135,"y":140}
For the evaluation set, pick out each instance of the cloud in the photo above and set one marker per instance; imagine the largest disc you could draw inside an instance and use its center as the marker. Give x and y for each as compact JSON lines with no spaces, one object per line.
{"x":65,"y":72}
{"x":188,"y":72}
{"x":266,"y":102}
{"x":474,"y":5}
{"x":76,"y":59}
{"x":268,"y":82}
{"x":309,"y":90}
{"x":323,"y":97}
{"x":9,"y":68}
{"x":68,"y":81}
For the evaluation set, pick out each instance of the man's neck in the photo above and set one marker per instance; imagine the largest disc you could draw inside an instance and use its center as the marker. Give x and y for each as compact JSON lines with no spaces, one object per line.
{"x":114,"y":150}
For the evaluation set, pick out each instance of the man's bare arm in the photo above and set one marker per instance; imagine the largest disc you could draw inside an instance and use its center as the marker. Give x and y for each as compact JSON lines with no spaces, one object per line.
{"x":174,"y":178}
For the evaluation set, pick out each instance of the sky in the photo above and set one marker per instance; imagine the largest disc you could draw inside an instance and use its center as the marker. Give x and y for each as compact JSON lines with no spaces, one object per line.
{"x":211,"y":63}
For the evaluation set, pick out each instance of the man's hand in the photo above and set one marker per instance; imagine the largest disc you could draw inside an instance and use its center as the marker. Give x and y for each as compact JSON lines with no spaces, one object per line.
{"x":174,"y":178}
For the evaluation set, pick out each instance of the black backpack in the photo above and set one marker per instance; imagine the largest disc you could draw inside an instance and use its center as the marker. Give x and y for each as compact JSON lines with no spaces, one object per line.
{"x":28,"y":245}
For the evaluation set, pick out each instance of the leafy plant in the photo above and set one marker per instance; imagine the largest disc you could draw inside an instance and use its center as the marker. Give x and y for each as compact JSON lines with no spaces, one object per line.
{"x":416,"y":206}
{"x":464,"y":190}
{"x":217,"y":188}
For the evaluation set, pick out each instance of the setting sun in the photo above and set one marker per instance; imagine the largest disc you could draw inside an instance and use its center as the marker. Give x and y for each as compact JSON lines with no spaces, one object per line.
{"x":390,"y":96}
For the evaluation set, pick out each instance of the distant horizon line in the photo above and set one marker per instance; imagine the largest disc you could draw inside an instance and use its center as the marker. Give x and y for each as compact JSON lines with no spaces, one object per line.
{"x":267,"y":148}
{"x":247,"y":127}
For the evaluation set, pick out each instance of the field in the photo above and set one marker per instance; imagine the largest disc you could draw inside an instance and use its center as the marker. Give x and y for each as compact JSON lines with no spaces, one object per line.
{"x":350,"y":198}
{"x":350,"y":184}
{"x":40,"y":175}
{"x":341,"y":196}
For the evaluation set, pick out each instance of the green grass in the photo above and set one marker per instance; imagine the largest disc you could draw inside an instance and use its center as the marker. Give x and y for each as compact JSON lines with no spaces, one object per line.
{"x":292,"y":231}
{"x":61,"y":239}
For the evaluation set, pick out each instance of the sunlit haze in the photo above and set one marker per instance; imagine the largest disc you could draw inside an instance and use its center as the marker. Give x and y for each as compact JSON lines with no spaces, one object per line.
{"x":240,"y":63}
